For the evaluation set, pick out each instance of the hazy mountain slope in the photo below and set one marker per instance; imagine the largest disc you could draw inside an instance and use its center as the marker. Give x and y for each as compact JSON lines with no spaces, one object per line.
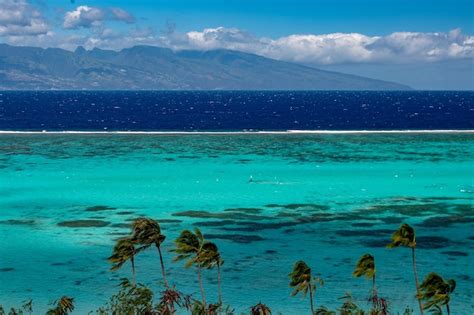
{"x":146,"y":67}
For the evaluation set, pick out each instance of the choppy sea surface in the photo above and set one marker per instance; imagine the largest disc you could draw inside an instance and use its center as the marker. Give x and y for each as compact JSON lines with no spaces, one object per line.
{"x":235,"y":110}
{"x":267,"y":200}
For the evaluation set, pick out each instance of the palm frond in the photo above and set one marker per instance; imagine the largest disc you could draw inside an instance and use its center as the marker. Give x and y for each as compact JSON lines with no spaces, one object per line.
{"x":365,"y":267}
{"x":404,"y":236}
{"x":123,"y":251}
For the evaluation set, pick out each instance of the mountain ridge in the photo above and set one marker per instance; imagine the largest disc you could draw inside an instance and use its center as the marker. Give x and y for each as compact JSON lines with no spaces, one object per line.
{"x":158,"y":68}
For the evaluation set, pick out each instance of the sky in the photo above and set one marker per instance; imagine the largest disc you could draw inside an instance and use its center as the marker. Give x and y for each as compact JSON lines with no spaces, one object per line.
{"x":380,"y":38}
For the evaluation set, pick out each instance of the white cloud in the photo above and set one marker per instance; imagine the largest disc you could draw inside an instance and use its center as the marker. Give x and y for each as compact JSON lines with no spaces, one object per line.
{"x":314,"y":49}
{"x":121,"y":15}
{"x":19,"y":18}
{"x":87,"y":17}
{"x":338,"y":47}
{"x":83,"y":16}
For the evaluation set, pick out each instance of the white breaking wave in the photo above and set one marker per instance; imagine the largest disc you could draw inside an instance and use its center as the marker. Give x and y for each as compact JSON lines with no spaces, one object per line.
{"x":285,"y":132}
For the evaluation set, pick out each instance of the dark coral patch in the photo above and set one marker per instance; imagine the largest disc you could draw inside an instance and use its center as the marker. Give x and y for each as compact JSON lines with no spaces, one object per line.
{"x":99,"y":208}
{"x":370,"y":232}
{"x":270,"y":251}
{"x":215,"y":223}
{"x":83,"y":223}
{"x":363,"y":224}
{"x":455,"y":253}
{"x":374,"y":243}
{"x":124,"y":212}
{"x":444,"y":221}
{"x":464,"y":209}
{"x":392,"y":220}
{"x":220,"y":215}
{"x":18,"y":222}
{"x":299,"y":206}
{"x":237,"y":238}
{"x":169,"y":221}
{"x":431,"y":242}
{"x":464,"y":277}
{"x":409,"y":209}
{"x":121,"y":225}
{"x":285,"y":214}
{"x":245,"y":210}
{"x":6,"y":269}
{"x":422,"y":242}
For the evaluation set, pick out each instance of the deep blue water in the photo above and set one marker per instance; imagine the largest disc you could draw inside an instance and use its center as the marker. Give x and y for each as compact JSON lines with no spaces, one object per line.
{"x":235,"y":110}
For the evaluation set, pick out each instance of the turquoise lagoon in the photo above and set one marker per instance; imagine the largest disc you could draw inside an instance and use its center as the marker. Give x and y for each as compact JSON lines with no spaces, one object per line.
{"x":324,"y":198}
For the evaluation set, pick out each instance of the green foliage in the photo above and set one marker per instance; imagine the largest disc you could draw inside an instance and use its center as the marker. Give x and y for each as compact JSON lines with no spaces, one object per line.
{"x":322,"y":310}
{"x":64,"y":306}
{"x":188,"y":245}
{"x":123,"y":250}
{"x":129,"y":300}
{"x":349,"y":307}
{"x":27,"y":307}
{"x":146,"y":232}
{"x":171,"y":299}
{"x":436,"y":310}
{"x":435,"y":291}
{"x":209,"y":257}
{"x":365,"y":267}
{"x":301,"y":279}
{"x":404,"y":236}
{"x":260,"y":309}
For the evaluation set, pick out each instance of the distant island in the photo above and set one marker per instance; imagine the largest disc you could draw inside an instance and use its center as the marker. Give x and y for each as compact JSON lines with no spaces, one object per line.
{"x":156,"y":68}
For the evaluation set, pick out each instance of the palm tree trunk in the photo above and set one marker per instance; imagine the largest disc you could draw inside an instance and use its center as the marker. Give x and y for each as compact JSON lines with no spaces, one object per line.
{"x":172,"y":308}
{"x":201,"y":287}
{"x":374,"y":293}
{"x":162,"y":266}
{"x":134,"y":280}
{"x":311,"y":299}
{"x":416,"y":281}
{"x":219,"y":288}
{"x":447,"y":309}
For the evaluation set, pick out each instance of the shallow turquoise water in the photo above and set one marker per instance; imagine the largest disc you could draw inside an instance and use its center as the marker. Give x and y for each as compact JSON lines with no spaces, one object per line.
{"x":326,"y":199}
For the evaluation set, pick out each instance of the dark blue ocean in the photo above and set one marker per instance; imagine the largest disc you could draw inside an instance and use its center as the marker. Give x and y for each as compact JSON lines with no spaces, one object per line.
{"x":235,"y":110}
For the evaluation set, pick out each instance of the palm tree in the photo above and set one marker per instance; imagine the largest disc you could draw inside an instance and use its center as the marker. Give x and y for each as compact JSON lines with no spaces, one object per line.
{"x":64,"y":306}
{"x":124,"y":250}
{"x":147,"y":232}
{"x":171,"y":297}
{"x":188,"y":246}
{"x":348,"y":306}
{"x":436,"y":291}
{"x":260,"y":309}
{"x":405,"y":236}
{"x":366,"y":267}
{"x":302,"y":281}
{"x":209,"y":257}
{"x":28,"y":306}
{"x":322,"y":310}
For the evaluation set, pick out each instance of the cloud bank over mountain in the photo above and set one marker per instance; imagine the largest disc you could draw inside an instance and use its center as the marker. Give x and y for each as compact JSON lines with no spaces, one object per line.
{"x":24,"y":24}
{"x":337,"y":48}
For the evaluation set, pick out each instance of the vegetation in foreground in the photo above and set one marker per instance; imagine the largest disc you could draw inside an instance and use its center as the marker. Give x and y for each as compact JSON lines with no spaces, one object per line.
{"x":433,"y":294}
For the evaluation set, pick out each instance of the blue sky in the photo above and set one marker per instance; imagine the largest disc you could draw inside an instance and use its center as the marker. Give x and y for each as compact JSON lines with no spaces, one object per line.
{"x":282,"y":17}
{"x":386,"y":39}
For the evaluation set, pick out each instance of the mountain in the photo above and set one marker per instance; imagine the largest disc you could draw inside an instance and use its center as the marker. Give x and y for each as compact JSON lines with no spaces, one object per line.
{"x":148,"y":67}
